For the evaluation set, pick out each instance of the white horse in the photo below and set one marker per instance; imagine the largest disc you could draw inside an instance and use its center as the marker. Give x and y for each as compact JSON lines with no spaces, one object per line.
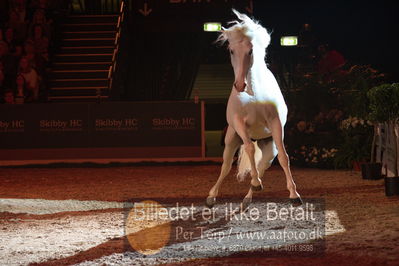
{"x":256,"y":111}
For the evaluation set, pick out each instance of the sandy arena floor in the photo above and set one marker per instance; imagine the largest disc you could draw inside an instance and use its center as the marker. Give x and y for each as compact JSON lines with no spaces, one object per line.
{"x":75,"y":216}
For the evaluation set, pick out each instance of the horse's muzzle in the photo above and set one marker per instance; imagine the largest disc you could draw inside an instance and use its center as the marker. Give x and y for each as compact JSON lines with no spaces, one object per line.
{"x":240,"y":87}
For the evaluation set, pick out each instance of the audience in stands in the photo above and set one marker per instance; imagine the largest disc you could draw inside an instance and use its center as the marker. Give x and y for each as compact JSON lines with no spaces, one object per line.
{"x":19,"y":6}
{"x":9,"y":97}
{"x":2,"y":84}
{"x":22,"y":94}
{"x":8,"y":62}
{"x":25,"y":35}
{"x":37,"y":61}
{"x":31,"y":77}
{"x":20,"y":27}
{"x":39,"y":18}
{"x":10,"y":39}
{"x":40,"y":41}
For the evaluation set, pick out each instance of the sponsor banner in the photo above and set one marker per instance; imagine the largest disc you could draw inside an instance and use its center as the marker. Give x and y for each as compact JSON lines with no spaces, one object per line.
{"x":145,"y":124}
{"x":111,"y":125}
{"x":43,"y":126}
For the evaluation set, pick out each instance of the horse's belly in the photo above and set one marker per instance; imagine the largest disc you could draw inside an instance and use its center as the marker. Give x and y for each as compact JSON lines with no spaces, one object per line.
{"x":258,"y":132}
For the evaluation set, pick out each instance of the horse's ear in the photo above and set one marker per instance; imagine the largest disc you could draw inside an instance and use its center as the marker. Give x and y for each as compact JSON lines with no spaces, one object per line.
{"x":240,"y":16}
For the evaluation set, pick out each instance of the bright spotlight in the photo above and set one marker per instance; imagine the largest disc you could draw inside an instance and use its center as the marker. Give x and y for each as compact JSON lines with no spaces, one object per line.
{"x":289,"y":41}
{"x":212,"y":26}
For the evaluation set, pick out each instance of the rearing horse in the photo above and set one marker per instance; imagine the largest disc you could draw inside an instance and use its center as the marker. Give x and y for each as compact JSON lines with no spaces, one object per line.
{"x":256,"y":111}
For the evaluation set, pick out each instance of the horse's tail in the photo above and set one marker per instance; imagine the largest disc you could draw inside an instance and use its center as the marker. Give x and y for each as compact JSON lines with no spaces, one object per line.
{"x":244,"y":165}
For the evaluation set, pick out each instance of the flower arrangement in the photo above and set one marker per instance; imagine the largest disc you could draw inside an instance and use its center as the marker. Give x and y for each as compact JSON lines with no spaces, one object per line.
{"x":328,"y":124}
{"x":354,"y":122}
{"x":314,"y":156}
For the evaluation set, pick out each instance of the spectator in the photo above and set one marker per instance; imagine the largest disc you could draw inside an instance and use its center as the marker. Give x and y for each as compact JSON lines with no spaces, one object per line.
{"x":10,"y":40}
{"x":40,"y":41}
{"x":19,"y":50}
{"x":330,"y":60}
{"x":47,"y":8}
{"x":8,"y":62}
{"x":39,"y":18}
{"x":9,"y":97}
{"x":20,"y":8}
{"x":31,"y":77}
{"x":35,"y":59}
{"x":5,"y":82}
{"x":21,"y":91}
{"x":3,"y":50}
{"x":18,"y":26}
{"x":40,"y":4}
{"x":2,"y":83}
{"x":24,"y":46}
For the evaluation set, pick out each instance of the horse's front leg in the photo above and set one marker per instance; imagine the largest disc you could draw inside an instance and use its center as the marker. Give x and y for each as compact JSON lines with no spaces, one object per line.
{"x":232,"y":142}
{"x":249,"y":148}
{"x":277,"y":133}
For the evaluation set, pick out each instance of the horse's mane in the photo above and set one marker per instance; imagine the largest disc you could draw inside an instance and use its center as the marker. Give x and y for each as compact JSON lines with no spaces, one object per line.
{"x":247,"y":28}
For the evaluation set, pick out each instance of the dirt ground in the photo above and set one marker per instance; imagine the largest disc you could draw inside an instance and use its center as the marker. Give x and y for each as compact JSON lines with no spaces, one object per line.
{"x":369,"y":220}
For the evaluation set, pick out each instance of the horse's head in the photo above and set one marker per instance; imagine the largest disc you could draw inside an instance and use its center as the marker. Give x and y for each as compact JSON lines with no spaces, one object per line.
{"x":245,"y":39}
{"x":241,"y":53}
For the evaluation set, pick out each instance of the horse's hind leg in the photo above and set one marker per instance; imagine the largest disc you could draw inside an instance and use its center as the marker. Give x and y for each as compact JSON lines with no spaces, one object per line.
{"x":232,"y":142}
{"x":269,"y":152}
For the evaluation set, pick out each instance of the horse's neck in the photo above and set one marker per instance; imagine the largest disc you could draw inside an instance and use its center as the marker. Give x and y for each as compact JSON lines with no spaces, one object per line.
{"x":256,"y":71}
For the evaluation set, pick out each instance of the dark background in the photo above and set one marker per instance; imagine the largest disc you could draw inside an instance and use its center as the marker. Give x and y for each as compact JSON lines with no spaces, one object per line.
{"x":163,"y":50}
{"x":365,"y":32}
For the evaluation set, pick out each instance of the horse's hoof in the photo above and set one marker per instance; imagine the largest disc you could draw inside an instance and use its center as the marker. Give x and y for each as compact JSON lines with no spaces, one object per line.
{"x":210,"y":202}
{"x":257,"y":188}
{"x":245,"y":204}
{"x":296,"y":201}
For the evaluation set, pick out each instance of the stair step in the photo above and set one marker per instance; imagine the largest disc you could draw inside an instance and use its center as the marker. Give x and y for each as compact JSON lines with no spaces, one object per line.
{"x":80,"y":68}
{"x":78,"y":74}
{"x":88,"y":34}
{"x":81,"y":65}
{"x":87,"y":50}
{"x":88,"y":42}
{"x":74,"y":93}
{"x":93,"y":19}
{"x":76,"y":98}
{"x":78,"y":91}
{"x":79,"y":88}
{"x":213,"y":81}
{"x":89,"y":27}
{"x":83,"y":57}
{"x":79,"y":82}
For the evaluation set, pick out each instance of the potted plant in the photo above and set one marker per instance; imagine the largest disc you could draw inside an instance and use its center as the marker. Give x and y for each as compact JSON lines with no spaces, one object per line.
{"x":357,"y":131}
{"x":360,"y":107}
{"x":355,"y":146}
{"x":372,"y":169}
{"x":384,"y":107}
